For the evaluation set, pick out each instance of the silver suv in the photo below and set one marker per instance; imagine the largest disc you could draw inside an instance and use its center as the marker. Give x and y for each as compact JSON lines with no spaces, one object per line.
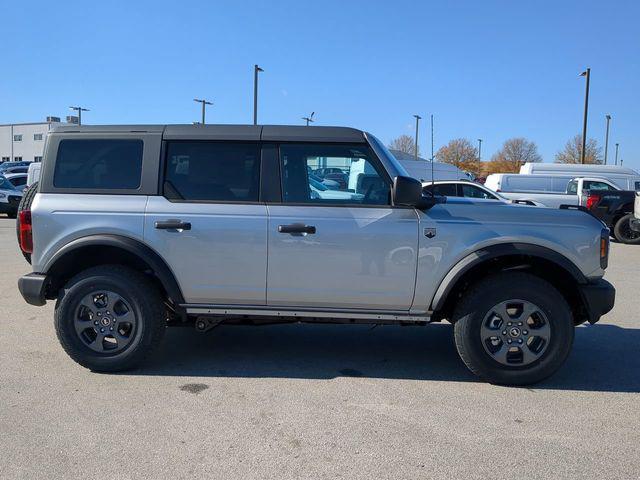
{"x":136,"y":228}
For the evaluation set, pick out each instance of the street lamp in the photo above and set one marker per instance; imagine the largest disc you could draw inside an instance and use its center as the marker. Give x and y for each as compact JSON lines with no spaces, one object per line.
{"x":418,"y":118}
{"x":479,"y":149}
{"x":617,"y":145}
{"x":79,"y":110}
{"x":586,"y":73}
{"x":606,"y":139}
{"x":204,"y":104}
{"x":256,"y":69}
{"x":309,"y":119}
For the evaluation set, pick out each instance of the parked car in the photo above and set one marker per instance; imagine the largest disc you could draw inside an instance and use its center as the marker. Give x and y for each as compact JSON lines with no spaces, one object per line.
{"x":622,"y":177}
{"x":635,"y":223}
{"x":18,"y":180}
{"x":33,"y":174}
{"x":14,"y":167}
{"x":212,"y":232}
{"x":541,"y":188}
{"x":461,"y":188}
{"x":616,"y":209}
{"x":9,"y":197}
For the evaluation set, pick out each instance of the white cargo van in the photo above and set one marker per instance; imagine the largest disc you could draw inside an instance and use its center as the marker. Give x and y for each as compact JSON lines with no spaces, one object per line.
{"x":624,"y":178}
{"x":518,"y":183}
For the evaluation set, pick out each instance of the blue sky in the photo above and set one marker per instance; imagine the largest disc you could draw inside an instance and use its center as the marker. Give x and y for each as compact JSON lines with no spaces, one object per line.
{"x":489,"y":70}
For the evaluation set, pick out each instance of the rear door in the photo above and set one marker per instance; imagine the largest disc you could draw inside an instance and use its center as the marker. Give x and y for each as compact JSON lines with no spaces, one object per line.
{"x":209,"y":224}
{"x":344,"y":248}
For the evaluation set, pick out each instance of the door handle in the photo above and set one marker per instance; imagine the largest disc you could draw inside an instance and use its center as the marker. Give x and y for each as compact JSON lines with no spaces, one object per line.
{"x":172,"y":224}
{"x":297,"y":229}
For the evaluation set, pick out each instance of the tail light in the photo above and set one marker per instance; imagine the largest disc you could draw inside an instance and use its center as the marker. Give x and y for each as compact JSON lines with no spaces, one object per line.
{"x":25,"y":231}
{"x":592,"y":200}
{"x":604,"y":248}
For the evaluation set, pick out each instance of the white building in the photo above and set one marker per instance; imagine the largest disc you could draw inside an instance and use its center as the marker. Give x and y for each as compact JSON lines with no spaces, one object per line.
{"x":25,"y":141}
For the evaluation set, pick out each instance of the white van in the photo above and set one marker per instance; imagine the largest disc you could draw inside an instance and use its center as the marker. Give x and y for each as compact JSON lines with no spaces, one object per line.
{"x":623,"y":177}
{"x":518,"y":183}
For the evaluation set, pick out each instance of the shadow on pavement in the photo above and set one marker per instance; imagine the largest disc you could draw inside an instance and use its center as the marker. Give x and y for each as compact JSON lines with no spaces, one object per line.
{"x":604,"y":358}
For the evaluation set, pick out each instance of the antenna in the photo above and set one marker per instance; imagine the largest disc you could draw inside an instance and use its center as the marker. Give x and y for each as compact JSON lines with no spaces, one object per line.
{"x":309,"y":119}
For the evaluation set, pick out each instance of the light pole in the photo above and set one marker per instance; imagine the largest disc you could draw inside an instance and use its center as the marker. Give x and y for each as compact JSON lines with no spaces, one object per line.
{"x":204,"y":104}
{"x":617,"y":145}
{"x":415,"y":152}
{"x":256,"y":69}
{"x":586,"y":73}
{"x":432,"y":138}
{"x":79,"y":110}
{"x":309,"y":119}
{"x":606,"y":139}
{"x":479,"y":149}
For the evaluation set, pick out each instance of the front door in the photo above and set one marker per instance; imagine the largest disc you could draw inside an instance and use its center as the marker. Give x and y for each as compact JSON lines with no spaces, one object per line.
{"x":339,"y":244}
{"x":209,"y":226}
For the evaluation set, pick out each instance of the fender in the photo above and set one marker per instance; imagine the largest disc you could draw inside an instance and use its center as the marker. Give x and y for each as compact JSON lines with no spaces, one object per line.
{"x":495,"y":251}
{"x":135,"y":247}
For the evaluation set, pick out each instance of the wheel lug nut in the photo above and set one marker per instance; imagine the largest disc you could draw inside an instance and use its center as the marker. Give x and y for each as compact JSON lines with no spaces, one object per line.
{"x":508,"y":324}
{"x":99,"y":314}
{"x":509,"y":341}
{"x":111,"y":329}
{"x":95,"y":323}
{"x":504,"y":332}
{"x":102,"y":330}
{"x":525,"y":332}
{"x":520,"y":341}
{"x":519,"y":324}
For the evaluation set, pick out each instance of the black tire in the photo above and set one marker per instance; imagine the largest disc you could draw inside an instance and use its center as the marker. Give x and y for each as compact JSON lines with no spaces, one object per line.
{"x":141,"y":297}
{"x":477,"y":306}
{"x":623,"y":233}
{"x":25,"y":204}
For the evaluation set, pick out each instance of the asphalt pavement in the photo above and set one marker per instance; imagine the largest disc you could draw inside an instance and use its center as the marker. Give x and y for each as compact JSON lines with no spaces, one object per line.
{"x":309,"y":401}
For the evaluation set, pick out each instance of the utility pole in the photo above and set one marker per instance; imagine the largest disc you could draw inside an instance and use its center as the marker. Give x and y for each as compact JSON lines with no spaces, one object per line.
{"x":309,"y":119}
{"x":79,"y":110}
{"x":204,"y":104}
{"x":617,"y":145}
{"x":479,"y":149}
{"x":586,"y":73}
{"x":418,"y":118}
{"x":606,"y":139}
{"x":256,"y":69}
{"x":431,"y":138}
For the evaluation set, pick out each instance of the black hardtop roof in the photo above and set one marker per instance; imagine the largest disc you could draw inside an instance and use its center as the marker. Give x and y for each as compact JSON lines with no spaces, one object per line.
{"x":288,"y":133}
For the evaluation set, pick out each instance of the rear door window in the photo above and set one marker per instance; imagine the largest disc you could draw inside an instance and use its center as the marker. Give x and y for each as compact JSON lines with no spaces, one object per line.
{"x":99,"y":164}
{"x":212,"y":171}
{"x":443,"y":189}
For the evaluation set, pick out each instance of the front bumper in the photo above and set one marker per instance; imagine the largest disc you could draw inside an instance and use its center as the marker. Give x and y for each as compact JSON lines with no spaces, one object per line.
{"x":598,"y":298}
{"x":33,"y":287}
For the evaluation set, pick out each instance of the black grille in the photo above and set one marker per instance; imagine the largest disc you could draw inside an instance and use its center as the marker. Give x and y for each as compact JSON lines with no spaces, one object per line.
{"x":14,"y":200}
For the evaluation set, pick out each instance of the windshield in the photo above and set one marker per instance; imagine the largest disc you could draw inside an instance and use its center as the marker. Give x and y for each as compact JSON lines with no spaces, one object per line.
{"x":387,"y":158}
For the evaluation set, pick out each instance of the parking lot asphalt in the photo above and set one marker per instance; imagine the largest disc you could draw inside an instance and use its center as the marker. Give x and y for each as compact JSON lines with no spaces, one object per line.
{"x":308,"y":401}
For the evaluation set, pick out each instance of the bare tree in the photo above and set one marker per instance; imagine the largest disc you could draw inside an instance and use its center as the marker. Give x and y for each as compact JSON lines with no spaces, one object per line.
{"x":461,"y":153}
{"x":404,"y":143}
{"x":571,"y":151}
{"x":515,"y":152}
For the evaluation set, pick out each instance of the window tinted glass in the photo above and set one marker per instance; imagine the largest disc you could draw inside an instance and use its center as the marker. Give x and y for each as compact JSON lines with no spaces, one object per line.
{"x":349,"y":175}
{"x":472,"y":191}
{"x":591,"y":185}
{"x":444,"y":189}
{"x":98,"y":164}
{"x":18,"y":181}
{"x":210,"y":171}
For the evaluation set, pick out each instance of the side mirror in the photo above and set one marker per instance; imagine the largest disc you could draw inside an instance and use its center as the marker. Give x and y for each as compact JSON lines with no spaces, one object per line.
{"x":406,"y":191}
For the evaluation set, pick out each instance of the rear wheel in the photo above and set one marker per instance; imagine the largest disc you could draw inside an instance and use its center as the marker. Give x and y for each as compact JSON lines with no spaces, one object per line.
{"x":109,"y":318}
{"x":624,"y":233}
{"x":513,"y":329}
{"x":25,"y":204}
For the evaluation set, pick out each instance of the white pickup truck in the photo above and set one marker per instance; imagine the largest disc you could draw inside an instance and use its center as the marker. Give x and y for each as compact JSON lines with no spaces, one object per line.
{"x":574,"y":194}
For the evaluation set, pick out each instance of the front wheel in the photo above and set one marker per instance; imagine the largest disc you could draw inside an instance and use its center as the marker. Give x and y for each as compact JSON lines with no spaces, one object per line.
{"x":513,"y":329}
{"x":109,"y":318}
{"x":624,"y":233}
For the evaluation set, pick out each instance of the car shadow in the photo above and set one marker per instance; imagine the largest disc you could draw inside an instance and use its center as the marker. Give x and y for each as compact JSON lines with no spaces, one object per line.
{"x":604,"y":358}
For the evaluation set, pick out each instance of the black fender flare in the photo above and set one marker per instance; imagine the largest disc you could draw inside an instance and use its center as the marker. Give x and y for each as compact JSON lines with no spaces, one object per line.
{"x":149,"y":256}
{"x":495,"y":251}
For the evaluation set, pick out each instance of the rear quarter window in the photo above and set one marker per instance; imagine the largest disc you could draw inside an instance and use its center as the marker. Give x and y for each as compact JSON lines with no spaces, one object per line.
{"x":99,"y":164}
